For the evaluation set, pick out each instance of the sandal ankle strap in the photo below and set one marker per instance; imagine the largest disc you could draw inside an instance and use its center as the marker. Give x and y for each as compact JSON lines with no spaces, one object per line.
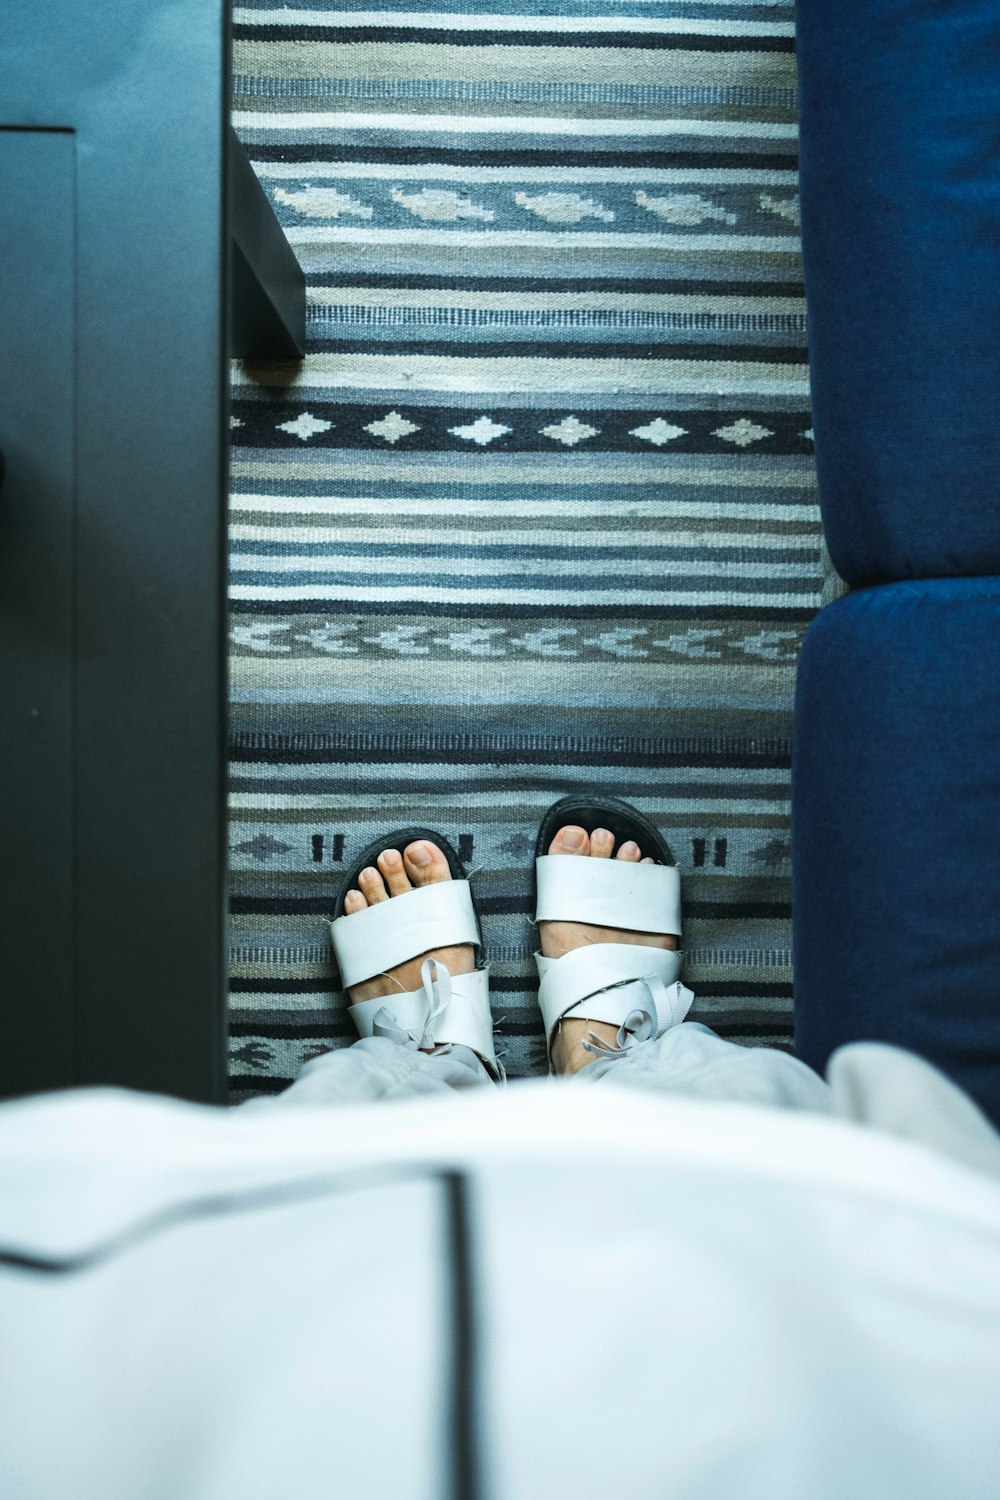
{"x":448,"y":1008}
{"x":611,"y":982}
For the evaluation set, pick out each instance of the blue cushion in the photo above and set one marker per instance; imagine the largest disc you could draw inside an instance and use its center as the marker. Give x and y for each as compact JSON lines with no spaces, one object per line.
{"x":900,"y":190}
{"x":896,"y":828}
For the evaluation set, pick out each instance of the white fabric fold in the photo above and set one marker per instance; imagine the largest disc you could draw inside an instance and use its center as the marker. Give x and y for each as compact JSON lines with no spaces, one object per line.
{"x":609,"y":893}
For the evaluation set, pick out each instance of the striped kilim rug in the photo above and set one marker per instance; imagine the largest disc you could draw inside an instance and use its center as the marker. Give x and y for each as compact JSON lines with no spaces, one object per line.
{"x":538,"y":510}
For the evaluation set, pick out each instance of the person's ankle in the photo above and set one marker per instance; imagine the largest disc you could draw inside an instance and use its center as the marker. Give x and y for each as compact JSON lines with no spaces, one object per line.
{"x":569,"y":1054}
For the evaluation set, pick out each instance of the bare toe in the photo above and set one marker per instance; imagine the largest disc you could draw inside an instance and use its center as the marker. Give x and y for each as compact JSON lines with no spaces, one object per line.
{"x":390,"y":862}
{"x":372,"y":886}
{"x":601,"y":843}
{"x":354,"y":901}
{"x":629,"y":853}
{"x":570,"y":840}
{"x":425,"y":863}
{"x":647,"y":861}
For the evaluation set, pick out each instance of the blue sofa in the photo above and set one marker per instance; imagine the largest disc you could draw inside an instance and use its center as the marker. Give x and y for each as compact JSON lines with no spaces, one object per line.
{"x":896,"y":776}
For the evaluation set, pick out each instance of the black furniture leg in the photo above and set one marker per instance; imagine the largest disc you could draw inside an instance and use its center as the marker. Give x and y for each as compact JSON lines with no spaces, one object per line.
{"x":267,"y":289}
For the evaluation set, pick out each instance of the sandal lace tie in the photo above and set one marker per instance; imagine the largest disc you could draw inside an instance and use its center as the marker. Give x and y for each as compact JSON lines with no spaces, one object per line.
{"x":671,"y":1002}
{"x":436,"y":982}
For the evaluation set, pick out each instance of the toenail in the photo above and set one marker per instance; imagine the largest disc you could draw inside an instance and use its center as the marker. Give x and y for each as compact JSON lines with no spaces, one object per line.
{"x":630,"y":848}
{"x":602,"y":835}
{"x":390,"y":856}
{"x":420,"y":854}
{"x":368,"y":874}
{"x":572,"y":838}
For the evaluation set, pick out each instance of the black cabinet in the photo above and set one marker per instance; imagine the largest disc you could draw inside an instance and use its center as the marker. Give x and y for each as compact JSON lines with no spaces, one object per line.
{"x":122,"y":191}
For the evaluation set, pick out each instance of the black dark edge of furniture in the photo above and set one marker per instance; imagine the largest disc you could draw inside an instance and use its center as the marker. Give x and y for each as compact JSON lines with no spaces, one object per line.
{"x":116,"y":266}
{"x":267,"y":288}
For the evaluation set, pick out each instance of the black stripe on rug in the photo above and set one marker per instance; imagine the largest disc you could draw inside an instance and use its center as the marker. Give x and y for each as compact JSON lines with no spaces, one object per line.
{"x":542,"y":156}
{"x":440,"y":36}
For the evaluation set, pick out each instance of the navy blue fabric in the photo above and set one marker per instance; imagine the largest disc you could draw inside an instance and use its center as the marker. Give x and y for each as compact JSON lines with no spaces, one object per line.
{"x":900,"y":188}
{"x":896,"y":828}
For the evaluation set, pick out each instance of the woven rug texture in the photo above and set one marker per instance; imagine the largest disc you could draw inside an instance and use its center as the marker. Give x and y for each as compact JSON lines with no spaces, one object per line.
{"x":538,"y":510}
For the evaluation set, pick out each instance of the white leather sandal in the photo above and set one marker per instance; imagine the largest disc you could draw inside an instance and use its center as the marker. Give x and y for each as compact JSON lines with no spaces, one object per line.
{"x":626,"y":985}
{"x":448,"y":1008}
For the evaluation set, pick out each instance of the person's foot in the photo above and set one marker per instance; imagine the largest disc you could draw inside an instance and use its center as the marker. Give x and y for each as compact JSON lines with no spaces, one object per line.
{"x":557,"y":938}
{"x":421,"y":863}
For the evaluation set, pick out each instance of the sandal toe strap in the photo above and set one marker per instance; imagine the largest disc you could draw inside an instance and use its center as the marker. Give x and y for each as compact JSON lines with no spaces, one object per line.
{"x":448,"y":1008}
{"x":433,"y":916}
{"x":608,"y":893}
{"x":610,"y":982}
